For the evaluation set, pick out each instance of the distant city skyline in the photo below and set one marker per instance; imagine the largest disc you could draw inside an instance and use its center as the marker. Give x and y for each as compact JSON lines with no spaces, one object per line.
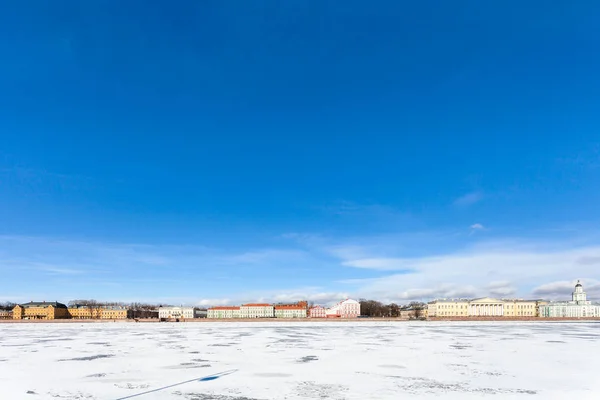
{"x":218,"y":154}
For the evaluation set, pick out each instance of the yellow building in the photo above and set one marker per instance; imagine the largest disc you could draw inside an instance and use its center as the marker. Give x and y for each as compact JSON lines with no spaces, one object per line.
{"x":41,"y":310}
{"x":448,"y":308}
{"x":114,"y":312}
{"x":97,"y":312}
{"x":6,"y":314}
{"x":520,"y":308}
{"x":85,"y":312}
{"x":485,"y":307}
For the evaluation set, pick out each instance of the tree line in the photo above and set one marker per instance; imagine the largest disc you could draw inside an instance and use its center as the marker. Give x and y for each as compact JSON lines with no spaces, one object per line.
{"x":368,"y":308}
{"x":136,"y":309}
{"x":7,"y":305}
{"x":376,"y":309}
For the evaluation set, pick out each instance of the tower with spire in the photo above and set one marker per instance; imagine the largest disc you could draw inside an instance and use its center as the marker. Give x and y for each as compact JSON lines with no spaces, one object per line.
{"x":578,"y":307}
{"x":579,"y":296}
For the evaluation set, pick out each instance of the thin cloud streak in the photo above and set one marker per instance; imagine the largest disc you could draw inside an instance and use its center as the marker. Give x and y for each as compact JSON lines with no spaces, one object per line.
{"x":369,"y":267}
{"x":468,"y":199}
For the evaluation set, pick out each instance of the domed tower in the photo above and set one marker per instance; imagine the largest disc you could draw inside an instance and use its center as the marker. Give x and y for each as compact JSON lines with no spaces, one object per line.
{"x":579,"y":295}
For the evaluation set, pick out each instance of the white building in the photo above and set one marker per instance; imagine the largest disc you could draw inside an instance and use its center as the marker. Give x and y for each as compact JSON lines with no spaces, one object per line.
{"x":223,"y":312}
{"x":578,"y":307}
{"x":290,"y":311}
{"x":344,"y":309}
{"x":176,"y":313}
{"x":257,"y":310}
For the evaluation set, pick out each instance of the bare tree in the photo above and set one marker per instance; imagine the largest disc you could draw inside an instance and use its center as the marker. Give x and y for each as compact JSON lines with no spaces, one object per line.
{"x":372,"y":308}
{"x":7,"y":305}
{"x":394,"y":310}
{"x":93,"y":307}
{"x":143,"y":310}
{"x":417,"y":308}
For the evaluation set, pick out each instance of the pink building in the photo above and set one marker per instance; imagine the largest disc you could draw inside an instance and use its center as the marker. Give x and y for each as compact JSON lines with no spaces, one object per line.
{"x":344,"y":309}
{"x":318,"y":312}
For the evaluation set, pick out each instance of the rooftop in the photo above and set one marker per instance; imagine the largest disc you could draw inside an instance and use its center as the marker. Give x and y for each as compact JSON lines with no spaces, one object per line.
{"x":256,"y":305}
{"x":224,"y":308}
{"x":55,"y":304}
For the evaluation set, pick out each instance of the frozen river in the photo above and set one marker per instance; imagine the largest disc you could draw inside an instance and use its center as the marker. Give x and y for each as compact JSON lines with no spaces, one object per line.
{"x":308,"y":360}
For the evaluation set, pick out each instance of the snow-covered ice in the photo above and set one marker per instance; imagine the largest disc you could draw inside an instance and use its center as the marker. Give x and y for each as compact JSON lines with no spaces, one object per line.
{"x":305,"y":360}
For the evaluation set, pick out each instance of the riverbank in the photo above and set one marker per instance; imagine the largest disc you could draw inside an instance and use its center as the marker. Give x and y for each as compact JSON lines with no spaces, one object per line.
{"x":300,"y":320}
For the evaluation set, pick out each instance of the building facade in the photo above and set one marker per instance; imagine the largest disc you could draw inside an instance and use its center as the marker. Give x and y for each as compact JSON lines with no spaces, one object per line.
{"x":344,"y":309}
{"x":521,"y":308}
{"x":578,"y":307}
{"x":448,"y":308}
{"x":41,"y":310}
{"x":413,"y":313}
{"x":167,"y":313}
{"x":114,"y":312}
{"x":223,"y":312}
{"x":484,"y":307}
{"x":98,"y":312}
{"x":85,"y":312}
{"x":290,"y":311}
{"x":318,"y":312}
{"x":257,"y":310}
{"x":6,"y":314}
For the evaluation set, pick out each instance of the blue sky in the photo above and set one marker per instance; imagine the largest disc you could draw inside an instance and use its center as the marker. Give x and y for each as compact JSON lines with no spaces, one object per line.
{"x":218,"y":152}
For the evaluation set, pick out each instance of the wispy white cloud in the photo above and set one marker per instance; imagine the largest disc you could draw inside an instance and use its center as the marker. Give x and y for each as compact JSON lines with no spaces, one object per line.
{"x":390,"y":268}
{"x":468,"y":199}
{"x":476,"y":228}
{"x":214,"y":302}
{"x":563,"y":289}
{"x":502,"y":268}
{"x":501,"y":289}
{"x":61,"y":271}
{"x":374,"y":217}
{"x":279,"y":296}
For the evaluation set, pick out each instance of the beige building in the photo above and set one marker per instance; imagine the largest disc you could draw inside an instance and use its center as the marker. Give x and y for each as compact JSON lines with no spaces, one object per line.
{"x":176,"y":313}
{"x":257,"y":310}
{"x":290,"y":311}
{"x":41,"y":310}
{"x":223,"y":312}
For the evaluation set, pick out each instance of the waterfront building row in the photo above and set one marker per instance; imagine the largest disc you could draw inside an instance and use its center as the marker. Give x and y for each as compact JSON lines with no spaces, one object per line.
{"x":484,"y":307}
{"x":259,"y":310}
{"x":180,"y":313}
{"x":55,"y":310}
{"x":578,"y":307}
{"x":345,"y":309}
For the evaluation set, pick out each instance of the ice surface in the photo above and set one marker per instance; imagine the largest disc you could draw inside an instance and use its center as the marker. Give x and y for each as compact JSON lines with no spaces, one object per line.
{"x":306,"y":360}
